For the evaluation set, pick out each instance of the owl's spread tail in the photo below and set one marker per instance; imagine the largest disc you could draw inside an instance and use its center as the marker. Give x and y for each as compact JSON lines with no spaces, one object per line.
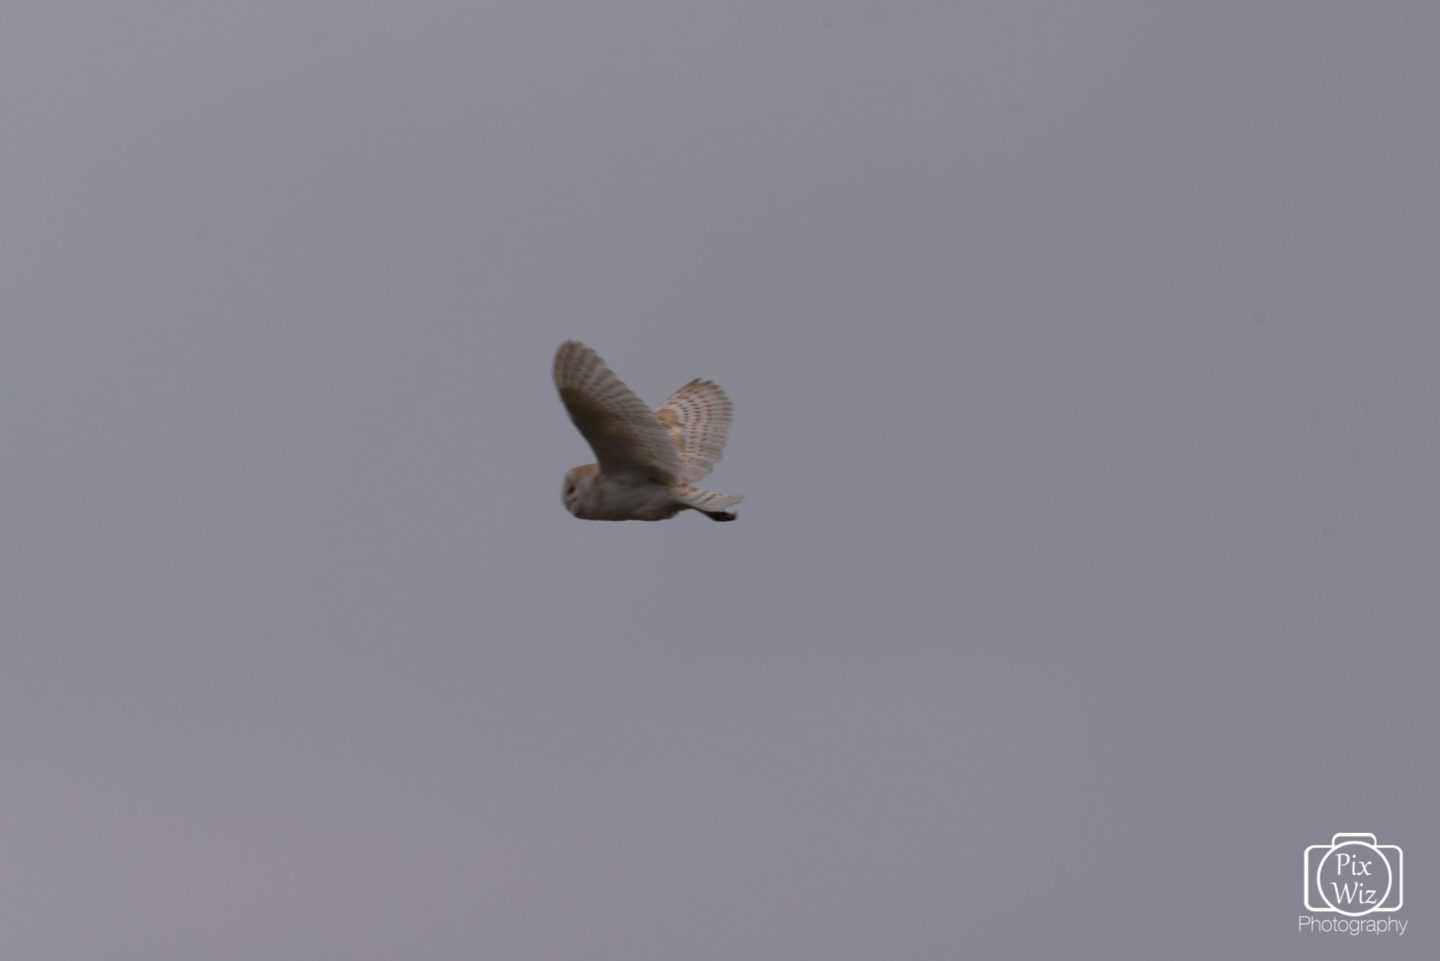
{"x":712,"y":505}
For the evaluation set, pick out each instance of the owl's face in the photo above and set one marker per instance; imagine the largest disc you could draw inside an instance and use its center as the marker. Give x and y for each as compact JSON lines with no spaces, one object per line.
{"x":579,"y":487}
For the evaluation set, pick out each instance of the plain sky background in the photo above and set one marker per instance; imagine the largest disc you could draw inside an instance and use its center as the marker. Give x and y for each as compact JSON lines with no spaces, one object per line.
{"x":1086,"y":361}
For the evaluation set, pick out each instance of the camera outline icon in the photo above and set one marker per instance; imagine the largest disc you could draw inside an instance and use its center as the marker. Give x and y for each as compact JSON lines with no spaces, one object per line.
{"x":1347,"y":851}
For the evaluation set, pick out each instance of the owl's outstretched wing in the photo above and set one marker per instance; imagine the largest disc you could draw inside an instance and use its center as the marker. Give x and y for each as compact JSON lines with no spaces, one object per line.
{"x":697,"y":418}
{"x":626,"y":436}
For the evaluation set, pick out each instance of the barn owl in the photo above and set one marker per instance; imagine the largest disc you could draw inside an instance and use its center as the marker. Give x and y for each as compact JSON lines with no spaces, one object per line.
{"x":648,"y":461}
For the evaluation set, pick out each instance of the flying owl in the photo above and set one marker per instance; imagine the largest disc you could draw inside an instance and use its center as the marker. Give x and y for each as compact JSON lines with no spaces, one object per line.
{"x":648,"y":461}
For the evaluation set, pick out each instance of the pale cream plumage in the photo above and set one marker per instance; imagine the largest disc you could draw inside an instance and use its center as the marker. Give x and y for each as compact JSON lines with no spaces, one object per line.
{"x":647,"y":461}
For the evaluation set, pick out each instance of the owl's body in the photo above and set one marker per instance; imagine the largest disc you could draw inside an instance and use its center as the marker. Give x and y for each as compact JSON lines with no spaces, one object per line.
{"x":648,"y":460}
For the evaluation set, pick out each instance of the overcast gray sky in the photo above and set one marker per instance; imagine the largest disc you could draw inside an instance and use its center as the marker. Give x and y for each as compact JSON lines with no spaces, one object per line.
{"x":1084,"y":358}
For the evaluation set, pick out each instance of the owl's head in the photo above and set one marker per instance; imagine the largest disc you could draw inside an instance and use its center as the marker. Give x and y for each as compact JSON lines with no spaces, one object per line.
{"x":579,"y":488}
